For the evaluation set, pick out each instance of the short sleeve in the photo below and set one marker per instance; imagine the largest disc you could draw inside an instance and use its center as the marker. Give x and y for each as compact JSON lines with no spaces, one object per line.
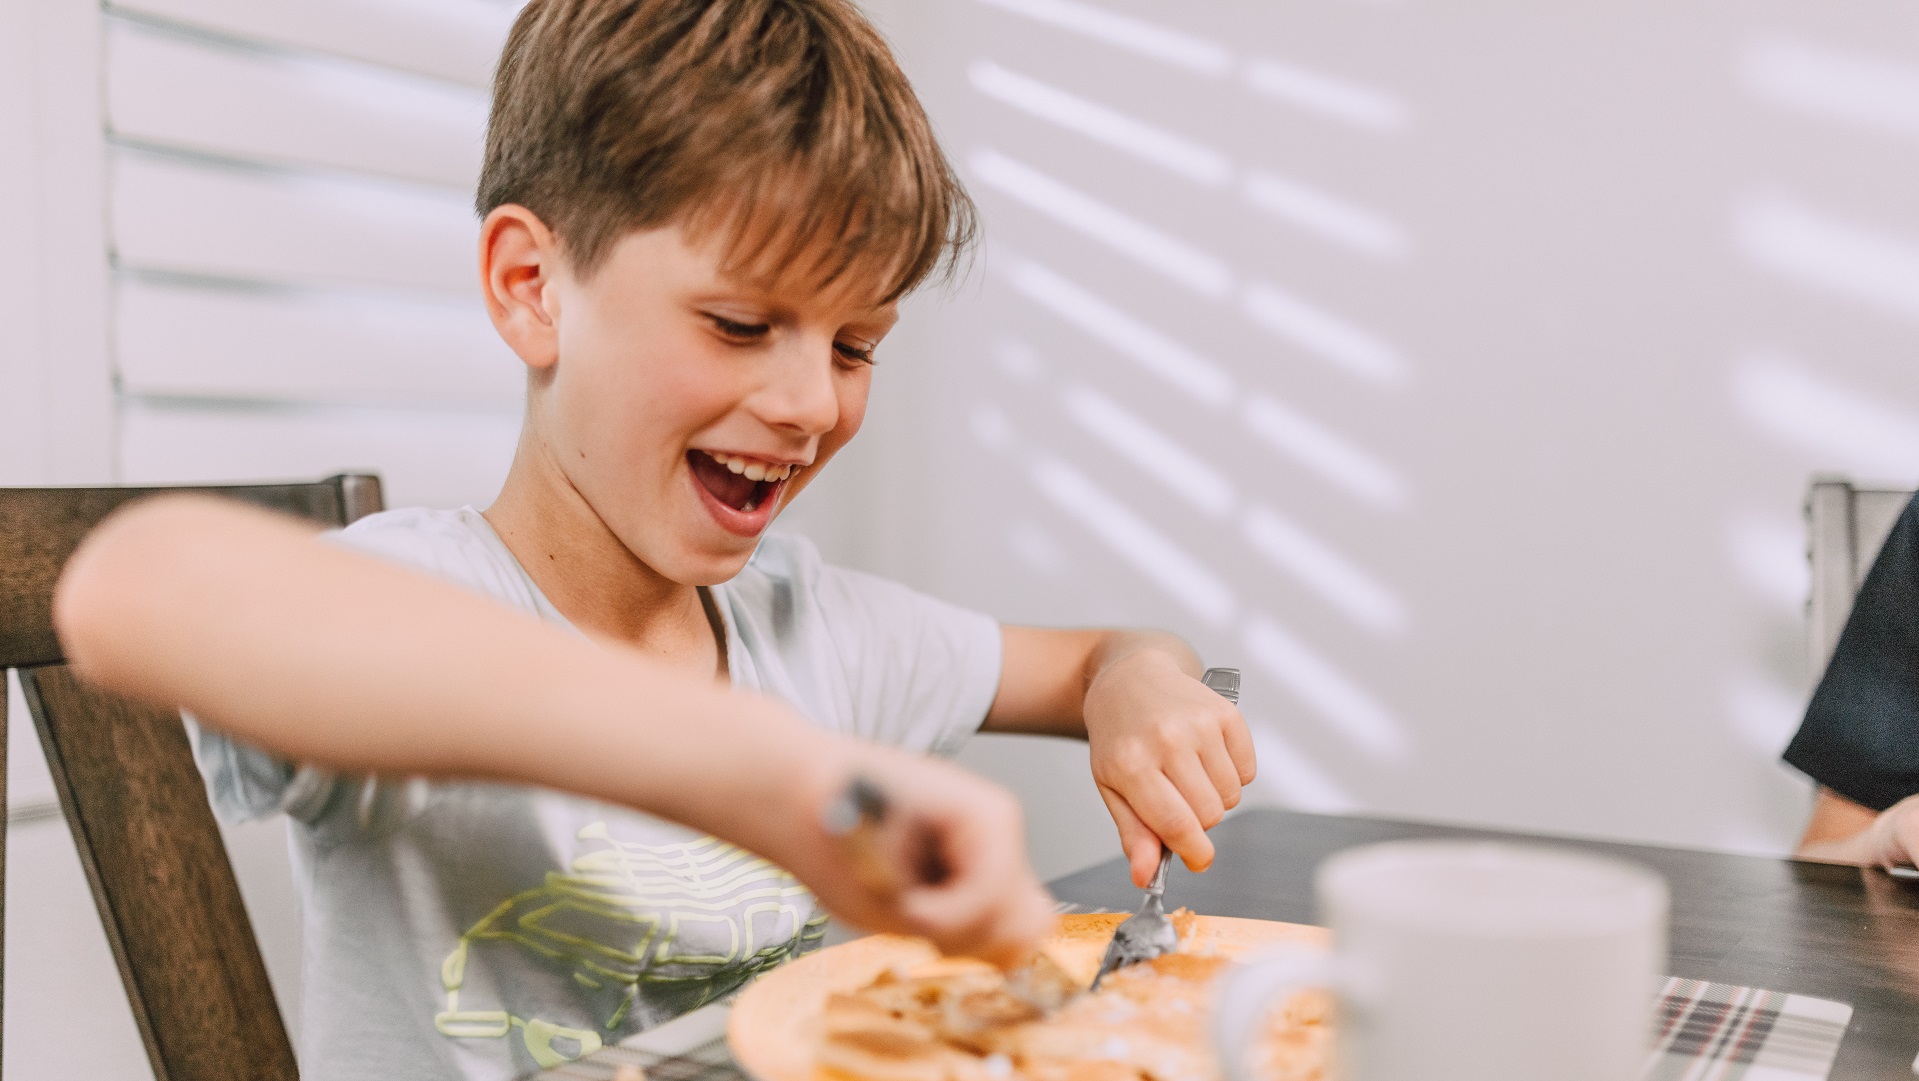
{"x":245,"y":784}
{"x":1860,"y":736}
{"x":859,"y":654}
{"x":922,"y":672}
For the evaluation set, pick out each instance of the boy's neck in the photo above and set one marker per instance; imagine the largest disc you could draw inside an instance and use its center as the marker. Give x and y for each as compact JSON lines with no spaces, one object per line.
{"x":593,"y":580}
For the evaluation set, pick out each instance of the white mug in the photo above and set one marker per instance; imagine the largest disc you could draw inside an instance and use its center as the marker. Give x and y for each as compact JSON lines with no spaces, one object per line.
{"x":1471,"y":960}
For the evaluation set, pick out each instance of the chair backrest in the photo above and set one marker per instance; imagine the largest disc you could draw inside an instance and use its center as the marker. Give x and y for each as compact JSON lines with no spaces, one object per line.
{"x":135,"y":802}
{"x":1846,"y":525}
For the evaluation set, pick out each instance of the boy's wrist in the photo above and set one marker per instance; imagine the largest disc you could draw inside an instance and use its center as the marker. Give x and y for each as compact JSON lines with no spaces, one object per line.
{"x":1152,"y":662}
{"x":1168,"y":658}
{"x":1150,"y":650}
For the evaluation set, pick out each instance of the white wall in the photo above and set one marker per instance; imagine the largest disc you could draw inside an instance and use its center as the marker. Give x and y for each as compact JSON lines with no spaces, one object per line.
{"x":1457,"y":375}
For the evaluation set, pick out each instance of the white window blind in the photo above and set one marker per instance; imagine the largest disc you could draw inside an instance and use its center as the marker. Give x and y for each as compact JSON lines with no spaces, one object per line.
{"x":291,"y":236}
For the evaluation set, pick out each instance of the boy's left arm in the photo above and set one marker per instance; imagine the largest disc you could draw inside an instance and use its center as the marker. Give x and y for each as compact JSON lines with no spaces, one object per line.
{"x":1170,"y":756}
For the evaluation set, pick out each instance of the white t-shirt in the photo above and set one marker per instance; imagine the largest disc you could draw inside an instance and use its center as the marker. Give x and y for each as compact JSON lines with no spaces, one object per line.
{"x":460,"y":929}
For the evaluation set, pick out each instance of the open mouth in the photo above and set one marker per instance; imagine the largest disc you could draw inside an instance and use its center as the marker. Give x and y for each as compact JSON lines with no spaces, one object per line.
{"x":738,"y":484}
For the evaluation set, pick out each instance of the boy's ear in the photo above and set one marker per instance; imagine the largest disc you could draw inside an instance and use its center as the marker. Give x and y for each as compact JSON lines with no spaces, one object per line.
{"x":519,"y":260}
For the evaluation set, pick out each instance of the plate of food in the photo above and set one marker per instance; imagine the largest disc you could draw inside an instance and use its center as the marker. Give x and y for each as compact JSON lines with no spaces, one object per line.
{"x":890,"y":1008}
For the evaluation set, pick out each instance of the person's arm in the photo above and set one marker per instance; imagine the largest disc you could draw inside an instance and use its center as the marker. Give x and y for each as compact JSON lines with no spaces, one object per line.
{"x":1860,"y":734}
{"x":1169,"y":755}
{"x":323,"y":655}
{"x":1841,"y":831}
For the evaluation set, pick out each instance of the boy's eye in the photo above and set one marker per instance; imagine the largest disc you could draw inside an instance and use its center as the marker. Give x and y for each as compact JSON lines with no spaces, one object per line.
{"x":862,"y":354}
{"x":731,"y":328}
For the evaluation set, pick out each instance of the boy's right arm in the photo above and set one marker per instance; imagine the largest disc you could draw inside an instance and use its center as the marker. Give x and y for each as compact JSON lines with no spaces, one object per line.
{"x":327,"y":656}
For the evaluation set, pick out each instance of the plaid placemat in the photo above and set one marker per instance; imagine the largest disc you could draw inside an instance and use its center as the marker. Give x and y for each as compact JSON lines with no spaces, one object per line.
{"x":1701,"y":1032}
{"x":1721,"y":1032}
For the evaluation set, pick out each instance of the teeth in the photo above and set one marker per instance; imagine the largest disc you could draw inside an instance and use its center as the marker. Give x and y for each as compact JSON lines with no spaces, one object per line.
{"x":752,"y":470}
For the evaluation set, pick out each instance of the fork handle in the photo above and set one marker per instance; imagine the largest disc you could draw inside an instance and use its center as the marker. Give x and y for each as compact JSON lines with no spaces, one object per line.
{"x":1158,"y":886}
{"x":1224,"y":682}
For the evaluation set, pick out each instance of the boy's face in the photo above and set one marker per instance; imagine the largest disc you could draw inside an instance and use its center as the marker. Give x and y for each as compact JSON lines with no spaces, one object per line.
{"x":686,"y":406}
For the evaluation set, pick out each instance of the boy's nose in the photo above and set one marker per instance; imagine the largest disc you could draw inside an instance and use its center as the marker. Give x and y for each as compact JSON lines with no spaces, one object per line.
{"x":801,"y":394}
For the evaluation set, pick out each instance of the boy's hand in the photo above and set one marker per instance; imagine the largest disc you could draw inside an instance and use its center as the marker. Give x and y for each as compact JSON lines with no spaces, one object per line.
{"x":1170,"y":757}
{"x":957,"y":846}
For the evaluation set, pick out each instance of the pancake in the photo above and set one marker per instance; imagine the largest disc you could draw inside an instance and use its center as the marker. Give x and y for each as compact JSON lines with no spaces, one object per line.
{"x":889,"y":1008}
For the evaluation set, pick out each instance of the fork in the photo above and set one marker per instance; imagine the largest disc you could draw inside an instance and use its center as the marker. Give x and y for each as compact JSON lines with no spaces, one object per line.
{"x":1148,"y":933}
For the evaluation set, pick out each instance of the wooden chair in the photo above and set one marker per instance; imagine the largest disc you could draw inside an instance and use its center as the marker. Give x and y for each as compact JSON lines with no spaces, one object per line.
{"x":1846,"y":525}
{"x":134,"y":799}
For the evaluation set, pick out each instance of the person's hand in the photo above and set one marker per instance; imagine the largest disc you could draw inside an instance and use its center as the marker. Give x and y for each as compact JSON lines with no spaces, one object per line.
{"x":1891,"y":841}
{"x":1170,"y":757}
{"x":952,"y":844}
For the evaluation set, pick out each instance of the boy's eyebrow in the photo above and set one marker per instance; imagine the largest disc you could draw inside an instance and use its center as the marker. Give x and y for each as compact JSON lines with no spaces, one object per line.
{"x":779,"y":295}
{"x":883,"y":316}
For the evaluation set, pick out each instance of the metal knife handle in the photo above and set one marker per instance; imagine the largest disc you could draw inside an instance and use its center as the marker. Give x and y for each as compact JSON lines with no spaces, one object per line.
{"x":854,"y":820}
{"x":858,"y":821}
{"x":860,"y":803}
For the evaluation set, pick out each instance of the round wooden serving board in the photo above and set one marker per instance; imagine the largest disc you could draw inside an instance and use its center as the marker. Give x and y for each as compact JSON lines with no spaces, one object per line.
{"x":774,"y":1030}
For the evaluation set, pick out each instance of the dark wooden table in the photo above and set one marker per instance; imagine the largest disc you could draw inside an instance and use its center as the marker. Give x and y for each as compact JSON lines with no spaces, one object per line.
{"x":1843,"y":933}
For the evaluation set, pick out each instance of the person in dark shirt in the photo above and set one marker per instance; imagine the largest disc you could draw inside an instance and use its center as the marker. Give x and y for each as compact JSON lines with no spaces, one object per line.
{"x":1860,"y":738}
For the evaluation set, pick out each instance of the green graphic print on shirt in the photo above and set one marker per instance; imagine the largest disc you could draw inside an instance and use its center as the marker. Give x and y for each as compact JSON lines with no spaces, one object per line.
{"x":698,"y":918}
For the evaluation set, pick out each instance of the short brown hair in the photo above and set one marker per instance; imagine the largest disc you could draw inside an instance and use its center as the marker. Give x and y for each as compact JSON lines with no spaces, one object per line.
{"x":784,"y":123}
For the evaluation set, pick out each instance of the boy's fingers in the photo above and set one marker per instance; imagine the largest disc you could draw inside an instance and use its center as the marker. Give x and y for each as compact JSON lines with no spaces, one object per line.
{"x":957,"y":845}
{"x":1008,"y":951}
{"x":1020,"y":929}
{"x":1198,"y":789}
{"x":975,"y":913}
{"x":1223,"y":774}
{"x":969,"y":922}
{"x":1140,"y":843}
{"x":1239,"y":746}
{"x":1166,"y":811}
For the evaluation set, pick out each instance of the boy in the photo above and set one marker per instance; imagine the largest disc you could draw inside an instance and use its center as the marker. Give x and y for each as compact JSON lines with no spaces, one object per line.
{"x":698,"y":218}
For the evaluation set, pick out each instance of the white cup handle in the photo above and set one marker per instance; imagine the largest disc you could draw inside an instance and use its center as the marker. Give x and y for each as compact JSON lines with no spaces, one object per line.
{"x":1248,"y":990}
